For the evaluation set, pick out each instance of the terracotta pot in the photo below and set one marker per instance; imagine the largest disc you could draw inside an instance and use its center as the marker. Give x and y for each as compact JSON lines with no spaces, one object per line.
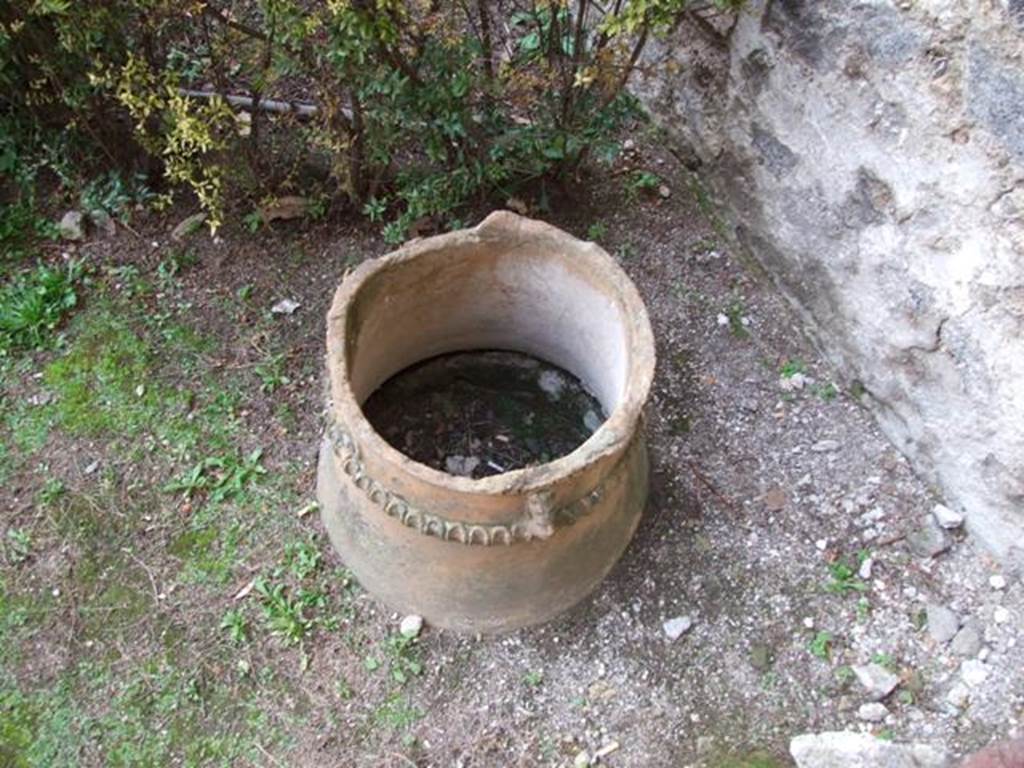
{"x":514,"y":549}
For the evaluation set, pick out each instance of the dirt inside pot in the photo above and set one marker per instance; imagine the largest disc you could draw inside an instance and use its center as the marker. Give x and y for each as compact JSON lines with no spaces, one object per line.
{"x":477,"y":414}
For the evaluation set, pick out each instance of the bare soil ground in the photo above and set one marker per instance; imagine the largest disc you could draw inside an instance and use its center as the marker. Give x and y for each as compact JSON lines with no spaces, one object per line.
{"x":179,"y":605}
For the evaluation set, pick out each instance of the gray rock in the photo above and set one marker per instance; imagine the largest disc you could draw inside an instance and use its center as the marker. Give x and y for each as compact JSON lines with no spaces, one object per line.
{"x":878,"y":681}
{"x":996,"y":97}
{"x":873,"y":712}
{"x":967,"y":643}
{"x":946,"y":517}
{"x":930,"y":359}
{"x":72,"y":226}
{"x":845,"y":749}
{"x":592,"y":421}
{"x":928,"y":540}
{"x":942,"y":623}
{"x":677,"y":627}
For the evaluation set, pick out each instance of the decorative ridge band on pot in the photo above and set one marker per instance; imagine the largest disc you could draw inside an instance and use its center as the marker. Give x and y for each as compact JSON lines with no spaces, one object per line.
{"x":538,"y":522}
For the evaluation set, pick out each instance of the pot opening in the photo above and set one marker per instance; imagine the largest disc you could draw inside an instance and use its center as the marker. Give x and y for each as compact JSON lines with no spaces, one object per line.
{"x":481,"y":413}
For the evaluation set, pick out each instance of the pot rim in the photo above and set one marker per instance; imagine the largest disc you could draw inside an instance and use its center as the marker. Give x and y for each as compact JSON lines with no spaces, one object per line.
{"x":615,"y":432}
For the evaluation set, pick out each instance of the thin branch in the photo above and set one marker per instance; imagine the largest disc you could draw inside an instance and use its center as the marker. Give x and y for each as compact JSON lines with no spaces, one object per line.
{"x":485,"y":38}
{"x":245,"y":29}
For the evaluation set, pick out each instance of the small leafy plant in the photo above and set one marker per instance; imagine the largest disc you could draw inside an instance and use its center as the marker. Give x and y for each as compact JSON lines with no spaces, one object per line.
{"x":821,"y":645}
{"x":642,"y":182}
{"x":597,"y":231}
{"x":33,"y":304}
{"x":222,"y":477}
{"x":844,"y":579}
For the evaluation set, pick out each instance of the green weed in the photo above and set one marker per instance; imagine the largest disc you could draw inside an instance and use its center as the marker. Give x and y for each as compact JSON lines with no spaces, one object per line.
{"x":844,"y":579}
{"x":397,"y":713}
{"x":642,"y":182}
{"x":597,"y":231}
{"x":33,"y":304}
{"x":821,"y":645}
{"x":236,"y":625}
{"x":791,"y":368}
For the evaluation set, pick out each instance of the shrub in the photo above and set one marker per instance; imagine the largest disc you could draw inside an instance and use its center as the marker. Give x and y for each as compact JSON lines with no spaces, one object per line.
{"x":415,"y":108}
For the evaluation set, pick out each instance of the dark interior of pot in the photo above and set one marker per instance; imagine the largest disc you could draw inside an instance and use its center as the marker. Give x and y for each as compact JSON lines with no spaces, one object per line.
{"x":477,"y":414}
{"x":548,"y":305}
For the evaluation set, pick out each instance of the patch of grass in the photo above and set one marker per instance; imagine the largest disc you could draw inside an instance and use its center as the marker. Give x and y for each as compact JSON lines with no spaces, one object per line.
{"x":21,"y":225}
{"x":821,"y":645}
{"x":844,"y":579}
{"x":533,"y":678}
{"x":827,"y":392}
{"x":53,"y":489}
{"x":863,"y":609}
{"x":236,"y":625}
{"x":219,"y":477}
{"x":104,"y":385}
{"x":845,"y":675}
{"x":885,"y":660}
{"x":704,"y":245}
{"x":271,"y":373}
{"x":397,"y":713}
{"x":403,"y":658}
{"x":597,"y":231}
{"x":285,"y":610}
{"x":736,"y":312}
{"x":791,"y":368}
{"x":17,"y":546}
{"x":641,"y":181}
{"x":33,"y":304}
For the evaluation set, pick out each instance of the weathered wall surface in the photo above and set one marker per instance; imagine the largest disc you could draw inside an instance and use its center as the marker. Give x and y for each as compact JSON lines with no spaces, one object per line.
{"x":871,"y":156}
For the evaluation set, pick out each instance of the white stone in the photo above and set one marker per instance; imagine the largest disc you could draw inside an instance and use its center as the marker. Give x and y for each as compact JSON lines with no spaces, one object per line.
{"x":872,"y":712}
{"x":824,"y":446}
{"x":552,"y":382}
{"x":947,"y":517}
{"x":285,"y":307}
{"x":1000,"y":615}
{"x":411,"y":625}
{"x":865,"y":568}
{"x":974,"y":672}
{"x":846,"y":749}
{"x":677,"y":627}
{"x":997,"y":582}
{"x":959,"y":695}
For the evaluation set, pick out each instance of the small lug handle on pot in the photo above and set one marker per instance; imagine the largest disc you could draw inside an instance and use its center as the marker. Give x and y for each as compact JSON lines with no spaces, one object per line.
{"x":538,"y":522}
